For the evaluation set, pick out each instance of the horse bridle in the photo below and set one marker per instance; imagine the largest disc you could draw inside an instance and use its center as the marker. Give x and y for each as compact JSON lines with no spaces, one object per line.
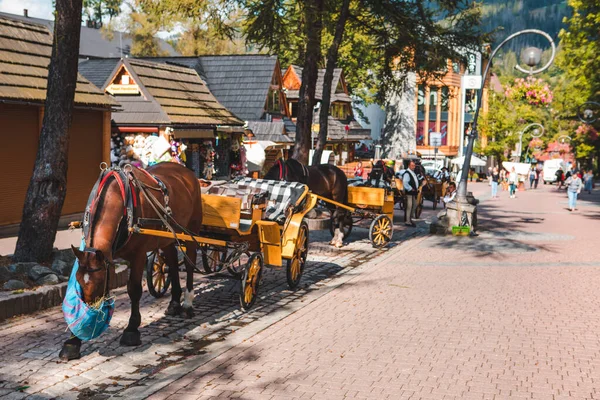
{"x":106,"y":265}
{"x":283,"y":170}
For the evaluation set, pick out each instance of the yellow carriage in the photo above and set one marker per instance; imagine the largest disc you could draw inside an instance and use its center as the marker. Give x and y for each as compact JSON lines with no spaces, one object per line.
{"x":247,"y":225}
{"x":372,"y":203}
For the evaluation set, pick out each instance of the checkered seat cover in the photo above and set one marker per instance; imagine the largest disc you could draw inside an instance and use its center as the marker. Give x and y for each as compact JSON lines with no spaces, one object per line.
{"x":281,"y":195}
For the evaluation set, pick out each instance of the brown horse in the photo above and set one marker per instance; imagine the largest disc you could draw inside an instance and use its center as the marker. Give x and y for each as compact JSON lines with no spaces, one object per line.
{"x":324,"y":180}
{"x":105,"y":242}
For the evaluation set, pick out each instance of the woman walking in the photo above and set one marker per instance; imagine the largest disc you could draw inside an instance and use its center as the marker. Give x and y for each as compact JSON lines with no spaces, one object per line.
{"x":531,"y":177}
{"x":513,"y":181}
{"x":495,"y":178}
{"x":574,"y":185}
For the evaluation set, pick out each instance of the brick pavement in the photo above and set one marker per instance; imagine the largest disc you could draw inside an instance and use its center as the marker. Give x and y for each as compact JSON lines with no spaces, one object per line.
{"x":511,"y":314}
{"x":172,"y":347}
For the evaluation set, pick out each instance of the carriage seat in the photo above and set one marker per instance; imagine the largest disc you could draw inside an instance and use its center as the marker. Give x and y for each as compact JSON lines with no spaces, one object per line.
{"x":250,"y":196}
{"x":281,"y":196}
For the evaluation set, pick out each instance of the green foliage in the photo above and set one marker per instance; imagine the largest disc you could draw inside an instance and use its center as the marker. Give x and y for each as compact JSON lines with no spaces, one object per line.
{"x":145,"y":20}
{"x":96,"y":10}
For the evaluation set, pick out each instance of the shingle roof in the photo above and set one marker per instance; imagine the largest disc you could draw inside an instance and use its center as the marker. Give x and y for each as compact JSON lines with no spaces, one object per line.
{"x":336,"y":129}
{"x":272,"y":131}
{"x":25,"y":51}
{"x":337,"y":76}
{"x":94,"y":43}
{"x":181,"y":94}
{"x":240,"y":82}
{"x":98,"y":70}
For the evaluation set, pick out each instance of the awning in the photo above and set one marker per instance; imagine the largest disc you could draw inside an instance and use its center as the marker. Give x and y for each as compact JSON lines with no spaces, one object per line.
{"x":475,"y":161}
{"x":193,"y":133}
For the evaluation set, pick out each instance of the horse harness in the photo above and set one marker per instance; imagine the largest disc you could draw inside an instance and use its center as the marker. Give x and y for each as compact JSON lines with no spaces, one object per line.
{"x":284,"y":171}
{"x":130,"y":189}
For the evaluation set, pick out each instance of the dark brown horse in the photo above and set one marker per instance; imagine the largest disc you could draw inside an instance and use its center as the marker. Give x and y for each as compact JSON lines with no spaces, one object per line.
{"x":106,"y":220}
{"x":325,"y":180}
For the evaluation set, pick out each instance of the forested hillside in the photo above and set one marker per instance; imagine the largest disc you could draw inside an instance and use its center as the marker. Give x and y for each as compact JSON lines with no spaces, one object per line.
{"x":509,"y":16}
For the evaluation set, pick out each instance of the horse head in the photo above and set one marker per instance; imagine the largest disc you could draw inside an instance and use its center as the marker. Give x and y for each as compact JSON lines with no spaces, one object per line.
{"x":92,"y":273}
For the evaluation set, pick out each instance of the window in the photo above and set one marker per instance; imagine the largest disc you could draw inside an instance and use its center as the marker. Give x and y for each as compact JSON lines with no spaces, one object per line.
{"x":338,"y":111}
{"x":273,"y":101}
{"x":445,"y":98}
{"x":433,"y":98}
{"x":421,"y":99}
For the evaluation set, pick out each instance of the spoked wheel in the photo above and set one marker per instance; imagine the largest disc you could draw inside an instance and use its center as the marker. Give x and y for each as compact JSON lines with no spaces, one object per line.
{"x":346,"y":229}
{"x":295,"y":266}
{"x":157,"y":274}
{"x":381,"y":231}
{"x":250,"y":280}
{"x":212,"y":260}
{"x":236,"y":269}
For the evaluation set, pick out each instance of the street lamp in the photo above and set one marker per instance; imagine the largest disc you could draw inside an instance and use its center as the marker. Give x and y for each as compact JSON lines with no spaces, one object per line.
{"x":531,"y":58}
{"x":589,"y":112}
{"x":537,"y":133}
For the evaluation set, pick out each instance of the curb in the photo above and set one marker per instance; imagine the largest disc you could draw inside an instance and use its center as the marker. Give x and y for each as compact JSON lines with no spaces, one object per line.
{"x":48,"y":296}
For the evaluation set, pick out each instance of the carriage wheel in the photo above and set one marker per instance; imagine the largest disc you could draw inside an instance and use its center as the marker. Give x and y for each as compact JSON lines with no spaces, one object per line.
{"x":212,"y":260}
{"x":157,"y":275}
{"x":236,"y":269}
{"x":295,"y":266}
{"x":347,"y":228}
{"x":250,"y":280}
{"x":381,"y":231}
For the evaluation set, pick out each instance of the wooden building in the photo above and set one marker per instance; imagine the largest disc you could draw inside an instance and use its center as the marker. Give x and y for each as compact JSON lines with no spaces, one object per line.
{"x":438,"y":106}
{"x":343,"y":130}
{"x":25,"y":51}
{"x":168,"y":101}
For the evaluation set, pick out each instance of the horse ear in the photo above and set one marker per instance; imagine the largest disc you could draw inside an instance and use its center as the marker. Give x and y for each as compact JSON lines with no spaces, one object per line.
{"x":78,"y":253}
{"x":99,"y":256}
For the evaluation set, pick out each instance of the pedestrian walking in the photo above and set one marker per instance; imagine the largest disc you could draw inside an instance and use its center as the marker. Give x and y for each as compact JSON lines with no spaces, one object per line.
{"x":560,"y":177}
{"x":588,"y":181}
{"x":411,"y":189}
{"x":513,"y":181}
{"x":531,"y":177}
{"x":495,"y":178}
{"x":503,"y":179}
{"x":574,"y":185}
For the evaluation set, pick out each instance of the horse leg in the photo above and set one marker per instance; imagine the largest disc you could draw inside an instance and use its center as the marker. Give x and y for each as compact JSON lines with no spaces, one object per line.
{"x":170,"y":253}
{"x":71,"y":349}
{"x":131,"y":336}
{"x":188,"y":294}
{"x":338,"y":221}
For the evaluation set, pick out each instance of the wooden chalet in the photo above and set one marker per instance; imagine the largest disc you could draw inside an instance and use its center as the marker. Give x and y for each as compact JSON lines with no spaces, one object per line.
{"x":343,"y":130}
{"x":25,"y":51}
{"x":168,"y":101}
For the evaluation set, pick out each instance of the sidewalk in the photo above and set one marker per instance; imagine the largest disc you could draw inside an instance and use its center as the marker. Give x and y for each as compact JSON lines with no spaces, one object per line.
{"x":64,"y":240}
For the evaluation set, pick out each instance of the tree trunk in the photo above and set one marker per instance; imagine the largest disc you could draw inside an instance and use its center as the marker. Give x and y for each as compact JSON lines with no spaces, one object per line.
{"x":48,"y":185}
{"x":332,"y":57}
{"x":310,"y":73}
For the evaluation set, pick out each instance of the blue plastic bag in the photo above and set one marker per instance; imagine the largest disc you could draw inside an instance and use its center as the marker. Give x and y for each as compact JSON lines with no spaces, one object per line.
{"x":83,"y":321}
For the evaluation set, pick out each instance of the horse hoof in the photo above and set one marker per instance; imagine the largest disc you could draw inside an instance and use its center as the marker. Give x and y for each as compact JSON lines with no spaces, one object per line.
{"x":339,"y":245}
{"x":70,"y":352}
{"x":174,"y":309}
{"x":187,"y":313}
{"x":131,"y":338}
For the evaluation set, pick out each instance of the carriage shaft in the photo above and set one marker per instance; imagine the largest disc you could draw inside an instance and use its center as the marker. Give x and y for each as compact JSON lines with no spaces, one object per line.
{"x":180,"y":236}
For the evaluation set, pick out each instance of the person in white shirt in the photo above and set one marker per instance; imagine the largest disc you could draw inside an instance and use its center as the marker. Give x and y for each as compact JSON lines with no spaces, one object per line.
{"x":450,"y":193}
{"x":411,"y":189}
{"x":513,"y":180}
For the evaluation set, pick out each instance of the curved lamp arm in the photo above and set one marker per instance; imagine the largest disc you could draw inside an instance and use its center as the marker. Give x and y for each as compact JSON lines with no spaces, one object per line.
{"x":552,"y":45}
{"x":462,"y":187}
